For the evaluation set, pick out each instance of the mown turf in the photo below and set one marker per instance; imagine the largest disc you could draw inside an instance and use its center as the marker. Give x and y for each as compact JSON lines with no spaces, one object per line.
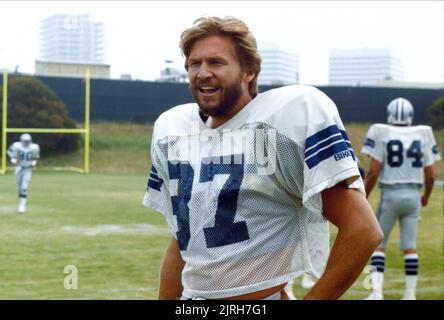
{"x":94,"y":222}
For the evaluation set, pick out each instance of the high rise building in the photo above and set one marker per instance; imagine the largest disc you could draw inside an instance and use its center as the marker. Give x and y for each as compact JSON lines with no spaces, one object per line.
{"x":364,"y":66}
{"x":71,"y":39}
{"x":279,"y":67}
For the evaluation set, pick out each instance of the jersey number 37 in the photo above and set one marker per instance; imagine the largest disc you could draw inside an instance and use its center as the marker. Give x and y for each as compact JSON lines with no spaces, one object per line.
{"x":225,"y":231}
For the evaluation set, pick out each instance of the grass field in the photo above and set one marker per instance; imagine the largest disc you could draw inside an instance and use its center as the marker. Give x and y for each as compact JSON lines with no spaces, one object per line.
{"x":96,"y":222}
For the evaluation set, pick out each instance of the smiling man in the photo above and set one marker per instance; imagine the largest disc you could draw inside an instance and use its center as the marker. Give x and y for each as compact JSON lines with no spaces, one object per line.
{"x":217,"y":80}
{"x":240,"y":231}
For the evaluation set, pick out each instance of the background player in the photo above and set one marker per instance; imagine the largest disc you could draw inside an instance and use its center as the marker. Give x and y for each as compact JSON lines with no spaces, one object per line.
{"x":402,"y":156}
{"x":24,"y":155}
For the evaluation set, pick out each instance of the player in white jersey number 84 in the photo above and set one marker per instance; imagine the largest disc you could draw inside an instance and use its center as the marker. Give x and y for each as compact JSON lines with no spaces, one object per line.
{"x":402,"y":157}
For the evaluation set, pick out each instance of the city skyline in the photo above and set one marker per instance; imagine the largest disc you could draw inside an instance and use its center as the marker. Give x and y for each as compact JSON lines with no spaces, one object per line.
{"x":71,"y":38}
{"x":140,"y":36}
{"x":365,"y":67}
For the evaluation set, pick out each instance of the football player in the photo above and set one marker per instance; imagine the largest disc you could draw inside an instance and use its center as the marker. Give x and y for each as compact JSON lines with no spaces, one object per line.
{"x":247,"y":181}
{"x":402,"y":157}
{"x":23,"y":154}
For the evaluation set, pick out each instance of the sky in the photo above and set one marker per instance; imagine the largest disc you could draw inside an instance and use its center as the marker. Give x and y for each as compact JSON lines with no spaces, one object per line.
{"x":141,"y":35}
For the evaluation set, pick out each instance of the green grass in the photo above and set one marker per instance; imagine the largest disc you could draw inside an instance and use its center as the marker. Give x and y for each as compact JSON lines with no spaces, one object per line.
{"x":94,"y":222}
{"x":97,"y":223}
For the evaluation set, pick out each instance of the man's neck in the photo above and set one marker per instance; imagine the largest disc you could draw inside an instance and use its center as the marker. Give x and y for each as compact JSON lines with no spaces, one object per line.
{"x":241,"y":103}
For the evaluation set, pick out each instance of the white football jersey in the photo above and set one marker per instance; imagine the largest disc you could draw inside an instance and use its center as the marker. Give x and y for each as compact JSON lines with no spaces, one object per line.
{"x":243,"y":200}
{"x":404,"y":151}
{"x":25,"y":156}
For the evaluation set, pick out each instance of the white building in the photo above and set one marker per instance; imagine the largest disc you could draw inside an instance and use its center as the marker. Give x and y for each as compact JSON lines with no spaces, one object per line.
{"x":353,"y":67}
{"x":279,"y":66}
{"x":71,"y":39}
{"x":172,"y":74}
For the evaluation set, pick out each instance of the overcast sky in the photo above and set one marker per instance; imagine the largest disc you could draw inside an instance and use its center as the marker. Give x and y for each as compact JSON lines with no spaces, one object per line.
{"x":140,"y":35}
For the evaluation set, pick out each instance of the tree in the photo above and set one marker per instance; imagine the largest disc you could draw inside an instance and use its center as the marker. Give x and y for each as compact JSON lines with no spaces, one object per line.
{"x":31,"y":104}
{"x":436,"y":113}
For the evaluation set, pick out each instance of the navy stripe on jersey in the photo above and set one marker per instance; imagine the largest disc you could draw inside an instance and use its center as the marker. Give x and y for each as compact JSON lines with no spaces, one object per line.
{"x":369,"y":142}
{"x":321,"y":135}
{"x":325,"y":144}
{"x":154,"y":182}
{"x":435,"y":149}
{"x":347,"y":141}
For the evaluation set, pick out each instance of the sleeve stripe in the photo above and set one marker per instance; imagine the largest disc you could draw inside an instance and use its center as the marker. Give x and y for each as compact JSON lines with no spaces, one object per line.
{"x":350,"y":147}
{"x":322,"y":144}
{"x":369,"y":142}
{"x":154,"y":184}
{"x":154,"y":176}
{"x":321,"y":135}
{"x":345,"y":136}
{"x":153,"y":173}
{"x":326,"y":153}
{"x":154,"y":181}
{"x":326,"y":143}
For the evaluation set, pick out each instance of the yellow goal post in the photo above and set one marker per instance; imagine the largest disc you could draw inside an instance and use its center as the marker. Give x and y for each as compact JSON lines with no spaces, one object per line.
{"x":85,"y":130}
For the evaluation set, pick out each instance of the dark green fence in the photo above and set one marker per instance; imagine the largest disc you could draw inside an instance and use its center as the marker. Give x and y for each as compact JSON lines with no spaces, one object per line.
{"x":143,"y":101}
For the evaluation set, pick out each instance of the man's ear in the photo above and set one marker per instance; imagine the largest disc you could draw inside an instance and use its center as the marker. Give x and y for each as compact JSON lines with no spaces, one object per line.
{"x":250,"y":75}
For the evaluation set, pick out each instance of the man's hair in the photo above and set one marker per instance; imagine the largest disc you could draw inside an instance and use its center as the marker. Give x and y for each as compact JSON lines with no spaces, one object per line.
{"x":243,"y":40}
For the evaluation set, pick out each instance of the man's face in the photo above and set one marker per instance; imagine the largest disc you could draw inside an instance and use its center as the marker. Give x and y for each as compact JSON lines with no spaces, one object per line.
{"x":217,"y":81}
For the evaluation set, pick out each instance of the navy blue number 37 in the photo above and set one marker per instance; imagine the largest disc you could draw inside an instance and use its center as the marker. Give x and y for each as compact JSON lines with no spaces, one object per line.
{"x":225,"y":231}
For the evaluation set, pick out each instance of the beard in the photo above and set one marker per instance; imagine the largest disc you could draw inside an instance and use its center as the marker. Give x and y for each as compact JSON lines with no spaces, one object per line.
{"x":230,"y":94}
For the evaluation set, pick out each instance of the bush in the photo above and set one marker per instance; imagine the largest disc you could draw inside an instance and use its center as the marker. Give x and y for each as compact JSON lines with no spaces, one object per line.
{"x":436,"y":113}
{"x":31,"y":104}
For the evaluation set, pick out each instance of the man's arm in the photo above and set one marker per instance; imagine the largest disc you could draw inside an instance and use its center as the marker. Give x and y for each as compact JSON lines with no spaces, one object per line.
{"x":36,"y":156}
{"x":12,"y":155}
{"x":429,"y":180}
{"x":170,"y":287}
{"x":358,"y":235}
{"x":372,"y":176}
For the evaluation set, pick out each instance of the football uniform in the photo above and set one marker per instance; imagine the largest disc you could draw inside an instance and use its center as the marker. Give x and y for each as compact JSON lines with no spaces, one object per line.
{"x":404,"y":151}
{"x":243,"y":199}
{"x":25,"y":158}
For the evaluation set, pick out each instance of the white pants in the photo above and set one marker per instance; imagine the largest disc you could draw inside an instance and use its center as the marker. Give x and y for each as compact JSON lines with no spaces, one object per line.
{"x":23,"y":177}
